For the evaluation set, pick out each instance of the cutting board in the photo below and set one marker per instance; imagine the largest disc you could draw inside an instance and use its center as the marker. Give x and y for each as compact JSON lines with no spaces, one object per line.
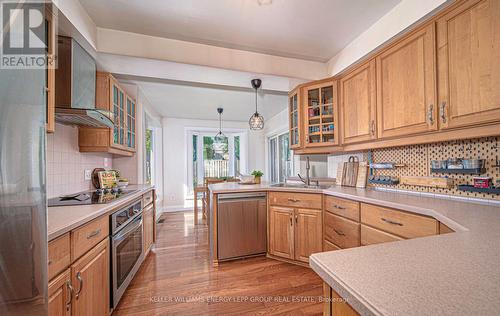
{"x":350,"y":173}
{"x":362,"y":175}
{"x":340,"y":173}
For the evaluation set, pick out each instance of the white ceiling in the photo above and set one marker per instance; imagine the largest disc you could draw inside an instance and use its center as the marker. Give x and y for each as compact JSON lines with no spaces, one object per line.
{"x":201,"y":102}
{"x":307,"y":29}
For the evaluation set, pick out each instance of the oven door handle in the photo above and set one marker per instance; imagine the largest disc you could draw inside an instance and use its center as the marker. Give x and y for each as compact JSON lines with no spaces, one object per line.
{"x":131,"y":227}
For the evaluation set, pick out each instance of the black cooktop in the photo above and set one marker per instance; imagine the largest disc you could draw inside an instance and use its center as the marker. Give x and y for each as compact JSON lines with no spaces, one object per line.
{"x":90,"y":197}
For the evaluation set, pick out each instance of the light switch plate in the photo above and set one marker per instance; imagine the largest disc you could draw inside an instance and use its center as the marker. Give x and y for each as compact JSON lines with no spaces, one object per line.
{"x":88,"y":174}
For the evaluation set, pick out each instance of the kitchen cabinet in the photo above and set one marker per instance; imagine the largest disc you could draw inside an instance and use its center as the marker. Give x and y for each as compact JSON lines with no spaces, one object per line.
{"x":370,"y":236}
{"x":308,"y":237}
{"x":406,"y":86}
{"x":468,"y":40}
{"x":50,"y":72}
{"x":295,"y":118}
{"x":321,"y":114}
{"x":400,"y":223}
{"x":340,"y":231}
{"x":281,"y":229}
{"x":295,"y":227}
{"x":148,"y":216}
{"x":59,"y":296}
{"x":90,"y":278}
{"x":335,"y":305}
{"x":121,"y":139}
{"x":358,"y":104}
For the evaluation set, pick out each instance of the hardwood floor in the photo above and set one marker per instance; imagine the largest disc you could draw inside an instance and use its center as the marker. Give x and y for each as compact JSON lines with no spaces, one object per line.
{"x":178,"y":279}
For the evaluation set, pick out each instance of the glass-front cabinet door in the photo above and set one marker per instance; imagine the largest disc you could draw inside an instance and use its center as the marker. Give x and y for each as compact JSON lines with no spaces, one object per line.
{"x":131,"y":111}
{"x":294,"y":118}
{"x":118,"y":107}
{"x":321,"y":114}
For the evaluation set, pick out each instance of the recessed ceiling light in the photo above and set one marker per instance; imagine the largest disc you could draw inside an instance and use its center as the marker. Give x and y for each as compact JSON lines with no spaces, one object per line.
{"x":264,"y":2}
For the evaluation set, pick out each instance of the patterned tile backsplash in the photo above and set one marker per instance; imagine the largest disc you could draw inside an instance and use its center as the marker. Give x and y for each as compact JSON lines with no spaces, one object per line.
{"x":417,"y":160}
{"x":66,"y":165}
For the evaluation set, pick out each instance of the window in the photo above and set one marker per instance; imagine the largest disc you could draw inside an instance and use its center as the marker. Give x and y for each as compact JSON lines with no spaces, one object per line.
{"x":280,"y":158}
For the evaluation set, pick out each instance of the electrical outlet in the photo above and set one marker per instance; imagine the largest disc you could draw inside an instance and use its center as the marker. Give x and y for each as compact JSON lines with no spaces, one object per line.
{"x":88,"y":174}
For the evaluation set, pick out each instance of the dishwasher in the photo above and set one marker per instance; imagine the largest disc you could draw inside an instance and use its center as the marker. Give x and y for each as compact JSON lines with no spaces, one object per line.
{"x":241,"y":225}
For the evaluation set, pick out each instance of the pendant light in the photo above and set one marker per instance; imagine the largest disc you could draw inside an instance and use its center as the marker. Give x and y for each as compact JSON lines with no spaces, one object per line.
{"x":256,"y":121}
{"x":220,"y":137}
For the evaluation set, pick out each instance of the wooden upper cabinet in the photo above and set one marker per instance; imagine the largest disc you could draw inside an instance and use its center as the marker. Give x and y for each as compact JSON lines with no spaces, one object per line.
{"x":281,"y":232}
{"x":468,"y":40}
{"x":321,"y":114}
{"x":295,"y":118}
{"x":406,"y":86}
{"x":121,"y":139}
{"x":358,"y":101}
{"x":308,"y":233}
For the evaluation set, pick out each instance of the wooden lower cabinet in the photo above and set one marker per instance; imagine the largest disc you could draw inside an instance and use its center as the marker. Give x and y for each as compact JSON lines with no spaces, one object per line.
{"x":281,"y":241}
{"x":148,"y":220}
{"x":341,"y":231}
{"x":90,"y":278}
{"x":60,"y":295}
{"x":335,"y":305}
{"x":308,"y":236}
{"x":371,"y":236}
{"x":294,"y":234}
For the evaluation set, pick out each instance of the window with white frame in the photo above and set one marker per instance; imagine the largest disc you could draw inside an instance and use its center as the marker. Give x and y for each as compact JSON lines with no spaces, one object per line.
{"x":280,"y":158}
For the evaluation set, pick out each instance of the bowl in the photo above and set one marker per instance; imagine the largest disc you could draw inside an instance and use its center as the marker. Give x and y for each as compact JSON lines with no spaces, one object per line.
{"x":122,"y":185}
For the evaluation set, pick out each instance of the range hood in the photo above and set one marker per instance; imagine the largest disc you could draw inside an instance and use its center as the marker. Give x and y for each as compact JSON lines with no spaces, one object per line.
{"x":75,"y":87}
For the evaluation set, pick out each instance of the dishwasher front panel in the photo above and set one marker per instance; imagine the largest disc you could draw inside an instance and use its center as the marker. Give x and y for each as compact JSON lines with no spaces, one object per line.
{"x":241,"y":227}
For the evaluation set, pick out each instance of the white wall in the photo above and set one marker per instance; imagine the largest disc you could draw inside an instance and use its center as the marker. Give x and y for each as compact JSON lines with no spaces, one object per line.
{"x":175,"y":157}
{"x":402,"y":16}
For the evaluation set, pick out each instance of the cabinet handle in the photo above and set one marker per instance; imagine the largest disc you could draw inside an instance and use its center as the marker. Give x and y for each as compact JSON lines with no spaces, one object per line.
{"x":291,"y":221}
{"x":296,"y":218}
{"x":430,"y":114}
{"x":338,"y":232}
{"x":50,"y":262}
{"x":443,"y":112}
{"x":79,"y":278}
{"x":339,"y":207}
{"x":70,"y":289}
{"x":293,"y":200}
{"x":372,"y":128}
{"x":94,"y":233}
{"x":391,"y":222}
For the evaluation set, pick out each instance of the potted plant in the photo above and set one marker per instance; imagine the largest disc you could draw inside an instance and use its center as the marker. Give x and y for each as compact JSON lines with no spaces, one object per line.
{"x":257,"y":174}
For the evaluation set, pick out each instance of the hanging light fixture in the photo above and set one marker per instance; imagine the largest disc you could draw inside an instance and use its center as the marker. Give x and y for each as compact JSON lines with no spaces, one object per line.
{"x":256,"y":121}
{"x":219,"y":137}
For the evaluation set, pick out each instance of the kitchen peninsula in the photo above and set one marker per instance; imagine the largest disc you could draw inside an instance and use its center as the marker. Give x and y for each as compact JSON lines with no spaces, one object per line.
{"x":449,"y":271}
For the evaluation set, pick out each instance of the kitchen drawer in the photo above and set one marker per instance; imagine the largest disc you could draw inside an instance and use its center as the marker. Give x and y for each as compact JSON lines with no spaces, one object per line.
{"x":293,"y":199}
{"x":340,"y":231}
{"x":89,"y":235}
{"x":59,"y":255}
{"x":401,"y":223}
{"x":147,"y":198}
{"x":443,"y":229}
{"x":370,"y":236}
{"x":328,"y":246}
{"x":342,"y":207}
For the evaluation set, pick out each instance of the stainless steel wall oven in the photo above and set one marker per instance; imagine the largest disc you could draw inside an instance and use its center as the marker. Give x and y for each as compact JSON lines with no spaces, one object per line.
{"x":127,"y":251}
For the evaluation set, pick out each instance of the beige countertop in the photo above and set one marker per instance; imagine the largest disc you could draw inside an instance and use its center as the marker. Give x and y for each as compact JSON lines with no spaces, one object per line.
{"x":452,"y":274}
{"x":62,"y":219}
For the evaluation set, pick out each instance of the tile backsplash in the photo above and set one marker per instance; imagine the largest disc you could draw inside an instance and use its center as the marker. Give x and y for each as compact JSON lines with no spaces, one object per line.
{"x":66,"y":165}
